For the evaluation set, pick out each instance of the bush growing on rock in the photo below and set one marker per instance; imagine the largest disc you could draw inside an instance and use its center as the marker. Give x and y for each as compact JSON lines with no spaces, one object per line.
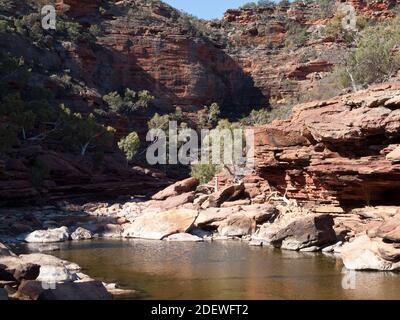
{"x":203,"y":172}
{"x":129,"y":102}
{"x":130,"y":145}
{"x":296,"y":35}
{"x":375,"y":59}
{"x":159,"y":122}
{"x":257,"y":117}
{"x":334,"y":28}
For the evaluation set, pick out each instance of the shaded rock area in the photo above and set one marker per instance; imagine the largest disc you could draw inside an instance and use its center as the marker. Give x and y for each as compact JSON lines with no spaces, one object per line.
{"x":43,"y":277}
{"x":314,"y":231}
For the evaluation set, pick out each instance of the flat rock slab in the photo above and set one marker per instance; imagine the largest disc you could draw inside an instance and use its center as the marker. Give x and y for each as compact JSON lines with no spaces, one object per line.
{"x":158,"y":225}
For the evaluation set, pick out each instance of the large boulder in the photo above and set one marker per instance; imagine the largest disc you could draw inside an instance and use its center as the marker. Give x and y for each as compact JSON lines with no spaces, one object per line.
{"x":177,"y":188}
{"x":13,"y":268}
{"x":78,"y":290}
{"x":213,"y":217}
{"x":389,"y":230}
{"x":48,"y":260}
{"x":81,"y":234}
{"x":228,"y":193}
{"x":364,"y":253}
{"x":311,"y":231}
{"x":261,"y":213}
{"x":158,"y":225}
{"x":173,"y":202}
{"x":237,"y":225}
{"x":48,"y":236}
{"x":55,"y":274}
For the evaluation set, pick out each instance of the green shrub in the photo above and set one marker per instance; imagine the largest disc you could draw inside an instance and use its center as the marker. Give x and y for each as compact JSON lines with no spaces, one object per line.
{"x":129,"y":103}
{"x":296,"y":35}
{"x":130,"y":145}
{"x":159,"y":122}
{"x":257,"y":117}
{"x":95,"y":30}
{"x":374,"y":59}
{"x":203,"y":172}
{"x":3,"y":26}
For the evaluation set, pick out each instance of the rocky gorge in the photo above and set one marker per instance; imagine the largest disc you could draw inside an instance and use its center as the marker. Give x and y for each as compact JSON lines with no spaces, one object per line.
{"x":326,"y":180}
{"x":348,"y":209}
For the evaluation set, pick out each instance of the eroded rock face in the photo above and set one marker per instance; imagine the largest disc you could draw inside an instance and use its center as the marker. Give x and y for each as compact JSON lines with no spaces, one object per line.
{"x":335,"y":151}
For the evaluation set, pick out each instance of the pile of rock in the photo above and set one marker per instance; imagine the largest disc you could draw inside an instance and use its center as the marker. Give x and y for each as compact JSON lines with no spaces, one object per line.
{"x":43,"y":277}
{"x":376,"y":249}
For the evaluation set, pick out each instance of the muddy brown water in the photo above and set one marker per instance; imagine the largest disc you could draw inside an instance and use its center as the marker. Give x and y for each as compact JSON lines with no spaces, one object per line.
{"x":224,"y":270}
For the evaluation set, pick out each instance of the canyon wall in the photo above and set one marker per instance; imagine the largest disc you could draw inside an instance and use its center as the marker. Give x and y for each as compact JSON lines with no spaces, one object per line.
{"x":343,"y":151}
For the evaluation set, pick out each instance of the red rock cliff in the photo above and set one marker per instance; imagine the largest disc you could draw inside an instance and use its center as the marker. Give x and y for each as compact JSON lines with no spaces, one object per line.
{"x":336,"y":151}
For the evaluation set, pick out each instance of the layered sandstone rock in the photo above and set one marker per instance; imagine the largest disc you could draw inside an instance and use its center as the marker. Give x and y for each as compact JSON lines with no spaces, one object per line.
{"x":335,"y":151}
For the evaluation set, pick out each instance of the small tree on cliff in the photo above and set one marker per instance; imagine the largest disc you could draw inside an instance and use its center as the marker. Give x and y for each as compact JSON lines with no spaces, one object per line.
{"x":130,"y":145}
{"x":129,"y":102}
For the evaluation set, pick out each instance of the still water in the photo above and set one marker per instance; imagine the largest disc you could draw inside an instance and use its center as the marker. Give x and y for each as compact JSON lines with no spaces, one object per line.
{"x":224,"y":270}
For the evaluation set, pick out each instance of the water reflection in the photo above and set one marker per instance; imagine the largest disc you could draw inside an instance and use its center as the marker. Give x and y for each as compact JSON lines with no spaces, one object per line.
{"x":224,"y":270}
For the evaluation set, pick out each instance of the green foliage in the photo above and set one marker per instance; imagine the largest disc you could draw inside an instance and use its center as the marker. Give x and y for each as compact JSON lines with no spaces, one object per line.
{"x":3,"y":26}
{"x":130,"y":145}
{"x":95,"y":30}
{"x":80,"y":133}
{"x":72,"y":30}
{"x":177,"y":115}
{"x":63,"y":80}
{"x":213,"y":113}
{"x":209,"y":116}
{"x":374,"y":59}
{"x":257,"y":117}
{"x":326,"y":8}
{"x":129,"y":103}
{"x":30,"y":25}
{"x":334,"y":28}
{"x":203,"y":172}
{"x":159,"y":122}
{"x":296,"y":35}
